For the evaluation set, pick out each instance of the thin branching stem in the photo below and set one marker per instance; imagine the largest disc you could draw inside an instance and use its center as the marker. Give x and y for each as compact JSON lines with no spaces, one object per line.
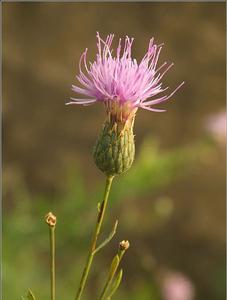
{"x":52,"y":261}
{"x":108,"y":239}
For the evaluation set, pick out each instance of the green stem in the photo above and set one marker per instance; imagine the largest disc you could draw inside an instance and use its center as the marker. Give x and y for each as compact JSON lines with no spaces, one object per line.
{"x":52,"y":261}
{"x":91,"y":253}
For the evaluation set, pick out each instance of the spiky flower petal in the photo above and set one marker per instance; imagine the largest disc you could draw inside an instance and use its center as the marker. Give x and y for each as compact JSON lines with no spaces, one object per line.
{"x":121,"y":78}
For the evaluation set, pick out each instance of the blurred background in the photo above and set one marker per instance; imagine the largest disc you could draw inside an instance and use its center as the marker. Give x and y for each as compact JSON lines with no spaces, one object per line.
{"x":170,"y":205}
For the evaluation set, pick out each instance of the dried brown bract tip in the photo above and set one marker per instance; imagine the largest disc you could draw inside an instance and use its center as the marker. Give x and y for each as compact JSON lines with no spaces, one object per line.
{"x":51,"y":219}
{"x":124,"y":245}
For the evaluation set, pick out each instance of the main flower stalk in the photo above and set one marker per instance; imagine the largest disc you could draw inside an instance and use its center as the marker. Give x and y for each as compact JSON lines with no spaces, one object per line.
{"x":91,"y":253}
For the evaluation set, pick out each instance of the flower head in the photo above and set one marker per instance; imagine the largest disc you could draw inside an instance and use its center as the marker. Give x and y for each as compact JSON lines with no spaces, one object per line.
{"x":177,"y":286}
{"x":119,"y":81}
{"x":123,"y":85}
{"x":216,"y":125}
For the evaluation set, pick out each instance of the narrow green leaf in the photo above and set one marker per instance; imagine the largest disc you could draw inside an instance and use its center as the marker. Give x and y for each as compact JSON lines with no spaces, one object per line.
{"x":30,"y":295}
{"x":108,"y":239}
{"x":115,"y":284}
{"x":114,"y":265}
{"x":98,"y":206}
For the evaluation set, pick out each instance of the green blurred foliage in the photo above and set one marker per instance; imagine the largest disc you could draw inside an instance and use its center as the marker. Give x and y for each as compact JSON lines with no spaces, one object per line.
{"x":25,"y":251}
{"x":170,"y":205}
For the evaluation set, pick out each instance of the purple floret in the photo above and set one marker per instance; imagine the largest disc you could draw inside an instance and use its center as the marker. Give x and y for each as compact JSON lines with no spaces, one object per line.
{"x":121,"y":78}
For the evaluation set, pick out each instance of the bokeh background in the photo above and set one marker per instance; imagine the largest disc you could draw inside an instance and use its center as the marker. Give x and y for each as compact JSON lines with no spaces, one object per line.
{"x":170,"y":205}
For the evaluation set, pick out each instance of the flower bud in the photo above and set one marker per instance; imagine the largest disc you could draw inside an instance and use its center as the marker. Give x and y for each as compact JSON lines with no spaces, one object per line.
{"x":114,"y":150}
{"x":51,"y":219}
{"x":124,"y":245}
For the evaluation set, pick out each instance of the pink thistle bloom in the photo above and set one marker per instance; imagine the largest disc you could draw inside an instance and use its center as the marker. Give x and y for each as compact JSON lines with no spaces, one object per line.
{"x":120,"y":79}
{"x":216,"y":125}
{"x":177,"y":286}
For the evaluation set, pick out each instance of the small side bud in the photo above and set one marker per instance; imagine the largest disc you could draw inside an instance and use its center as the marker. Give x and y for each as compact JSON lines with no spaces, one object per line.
{"x":124,"y":245}
{"x":51,"y":219}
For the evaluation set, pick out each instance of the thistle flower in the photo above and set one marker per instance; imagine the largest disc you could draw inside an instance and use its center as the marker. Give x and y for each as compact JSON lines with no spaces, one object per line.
{"x":177,"y":286}
{"x":123,"y":85}
{"x":216,"y":125}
